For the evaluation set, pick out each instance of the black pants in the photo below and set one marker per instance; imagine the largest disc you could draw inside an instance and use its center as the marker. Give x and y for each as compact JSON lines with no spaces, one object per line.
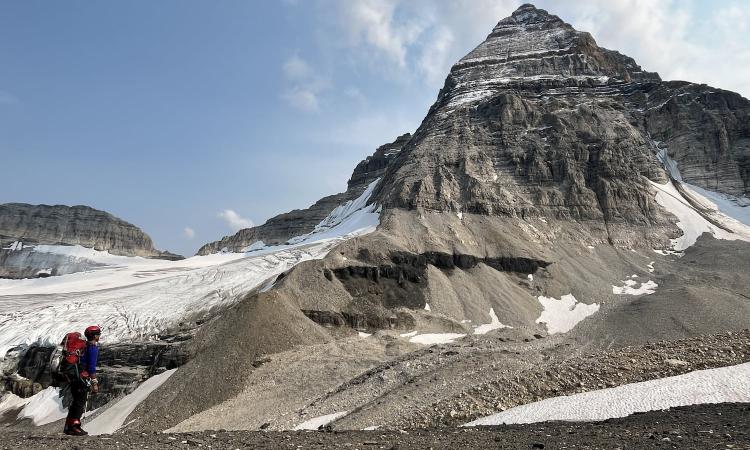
{"x":78,"y":393}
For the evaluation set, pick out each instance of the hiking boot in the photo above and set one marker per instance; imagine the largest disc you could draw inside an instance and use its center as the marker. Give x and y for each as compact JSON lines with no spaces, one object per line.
{"x":74,"y":430}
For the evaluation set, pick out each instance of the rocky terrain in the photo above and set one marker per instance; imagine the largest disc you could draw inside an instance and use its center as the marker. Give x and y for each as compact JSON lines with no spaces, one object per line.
{"x":539,"y":235}
{"x":23,"y":226}
{"x":703,"y":426}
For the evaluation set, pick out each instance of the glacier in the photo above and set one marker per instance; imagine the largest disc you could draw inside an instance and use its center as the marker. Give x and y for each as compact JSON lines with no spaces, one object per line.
{"x":138,"y":298}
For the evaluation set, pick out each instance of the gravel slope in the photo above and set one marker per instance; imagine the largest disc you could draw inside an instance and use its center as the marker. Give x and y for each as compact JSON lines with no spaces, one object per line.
{"x":704,"y":426}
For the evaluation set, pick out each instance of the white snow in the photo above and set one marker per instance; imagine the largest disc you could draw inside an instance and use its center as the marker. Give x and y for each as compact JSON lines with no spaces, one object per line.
{"x":44,"y":407}
{"x":137,"y":298}
{"x":435,"y":338}
{"x":562,"y":315}
{"x":628,"y":288}
{"x":737,"y":208}
{"x":460,"y":215}
{"x":363,"y":335}
{"x":317,"y":422}
{"x":409,"y":334}
{"x":470,"y":97}
{"x":15,"y":246}
{"x":590,"y":246}
{"x":651,"y":266}
{"x":691,"y":222}
{"x":493,"y":325}
{"x":113,"y":418}
{"x":669,"y":164}
{"x":427,"y":307}
{"x":353,"y":216}
{"x":371,"y":428}
{"x":726,"y":384}
{"x":11,"y":401}
{"x":257,"y":245}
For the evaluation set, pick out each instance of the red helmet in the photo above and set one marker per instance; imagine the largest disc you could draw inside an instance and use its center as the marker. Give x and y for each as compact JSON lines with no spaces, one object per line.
{"x":92,"y":331}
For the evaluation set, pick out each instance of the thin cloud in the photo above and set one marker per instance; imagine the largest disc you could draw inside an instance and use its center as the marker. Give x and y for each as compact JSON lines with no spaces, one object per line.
{"x":234,"y":221}
{"x":419,"y":40}
{"x":302,"y":99}
{"x":188,"y":233}
{"x":304,"y":85}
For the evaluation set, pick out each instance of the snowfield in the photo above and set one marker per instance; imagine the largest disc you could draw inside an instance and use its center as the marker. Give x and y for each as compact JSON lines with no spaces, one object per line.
{"x":113,"y":418}
{"x":563,"y":315}
{"x":726,"y":384}
{"x":138,"y":298}
{"x":694,"y":213}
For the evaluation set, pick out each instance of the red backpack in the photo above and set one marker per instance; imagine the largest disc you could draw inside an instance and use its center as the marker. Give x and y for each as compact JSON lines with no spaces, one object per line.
{"x":69,"y":351}
{"x":73,"y":347}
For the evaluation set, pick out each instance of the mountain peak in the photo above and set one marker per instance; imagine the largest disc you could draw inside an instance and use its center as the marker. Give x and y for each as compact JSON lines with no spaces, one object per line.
{"x":527,"y":14}
{"x":534,"y":45}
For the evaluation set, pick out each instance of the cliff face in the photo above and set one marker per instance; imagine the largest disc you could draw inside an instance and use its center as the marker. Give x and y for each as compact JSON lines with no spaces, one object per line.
{"x":279,"y":229}
{"x":64,"y":225}
{"x":538,"y":121}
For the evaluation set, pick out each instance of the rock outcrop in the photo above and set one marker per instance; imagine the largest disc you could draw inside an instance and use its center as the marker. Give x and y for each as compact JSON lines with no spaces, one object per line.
{"x":23,"y":226}
{"x":279,"y":229}
{"x":74,"y":225}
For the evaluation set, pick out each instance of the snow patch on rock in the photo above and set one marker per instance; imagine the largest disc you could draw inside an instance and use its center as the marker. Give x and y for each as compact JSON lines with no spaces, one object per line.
{"x":560,"y":316}
{"x":44,"y":407}
{"x":628,"y":288}
{"x":317,"y":422}
{"x":493,"y":325}
{"x":726,"y":384}
{"x":113,"y":418}
{"x":435,"y":338}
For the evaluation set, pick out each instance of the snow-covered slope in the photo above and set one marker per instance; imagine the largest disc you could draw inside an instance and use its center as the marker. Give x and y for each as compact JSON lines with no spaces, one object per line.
{"x":136,"y":298}
{"x":726,"y":384}
{"x":698,"y":214}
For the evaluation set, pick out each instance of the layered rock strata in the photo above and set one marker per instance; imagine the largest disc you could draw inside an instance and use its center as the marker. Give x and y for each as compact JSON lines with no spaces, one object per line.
{"x":74,"y":225}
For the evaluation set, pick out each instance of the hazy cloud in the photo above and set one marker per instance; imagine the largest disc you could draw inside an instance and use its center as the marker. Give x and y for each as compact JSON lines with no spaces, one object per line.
{"x":188,"y":233}
{"x":678,"y":39}
{"x":374,"y":23}
{"x":304,"y":85}
{"x":234,"y":221}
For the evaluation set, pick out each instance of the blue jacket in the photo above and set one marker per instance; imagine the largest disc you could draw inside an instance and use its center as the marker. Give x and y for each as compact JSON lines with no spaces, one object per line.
{"x":90,"y":357}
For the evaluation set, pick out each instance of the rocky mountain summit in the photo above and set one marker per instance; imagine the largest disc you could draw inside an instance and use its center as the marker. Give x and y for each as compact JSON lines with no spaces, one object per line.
{"x":539,"y":121}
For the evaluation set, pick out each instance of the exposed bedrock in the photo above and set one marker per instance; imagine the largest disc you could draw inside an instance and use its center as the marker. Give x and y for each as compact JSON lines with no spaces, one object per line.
{"x":404,"y":282}
{"x":121,"y":367}
{"x":74,"y":225}
{"x":538,"y":121}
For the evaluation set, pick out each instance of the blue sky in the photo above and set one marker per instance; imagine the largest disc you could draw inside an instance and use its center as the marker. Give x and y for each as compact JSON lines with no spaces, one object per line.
{"x":177,"y":114}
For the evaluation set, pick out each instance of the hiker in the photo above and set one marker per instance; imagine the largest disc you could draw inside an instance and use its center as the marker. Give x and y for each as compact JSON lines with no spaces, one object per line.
{"x":78,"y":371}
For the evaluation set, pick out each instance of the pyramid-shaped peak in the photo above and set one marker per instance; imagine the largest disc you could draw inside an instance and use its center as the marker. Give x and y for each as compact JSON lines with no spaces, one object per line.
{"x":532,"y":43}
{"x":527,"y":14}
